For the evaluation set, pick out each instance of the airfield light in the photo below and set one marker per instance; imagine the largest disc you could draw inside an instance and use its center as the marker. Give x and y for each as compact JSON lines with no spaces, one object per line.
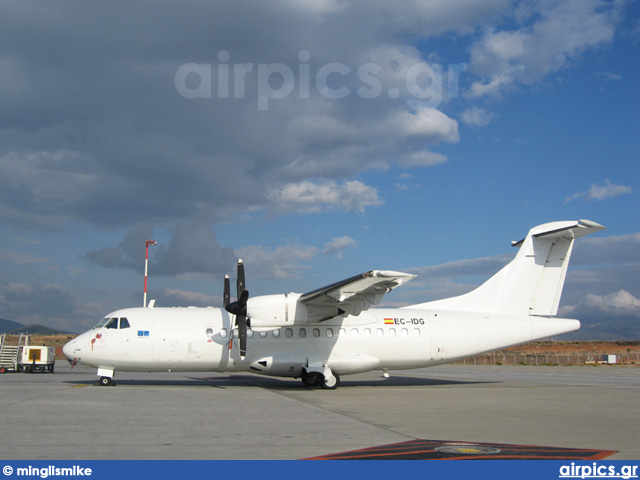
{"x":146,"y":268}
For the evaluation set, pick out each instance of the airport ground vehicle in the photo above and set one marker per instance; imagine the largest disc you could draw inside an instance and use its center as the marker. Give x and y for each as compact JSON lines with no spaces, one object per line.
{"x":21,"y":356}
{"x":38,"y":358}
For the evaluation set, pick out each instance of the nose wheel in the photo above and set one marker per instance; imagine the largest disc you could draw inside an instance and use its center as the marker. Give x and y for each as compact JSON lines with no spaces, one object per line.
{"x":106,"y":382}
{"x":106,"y":377}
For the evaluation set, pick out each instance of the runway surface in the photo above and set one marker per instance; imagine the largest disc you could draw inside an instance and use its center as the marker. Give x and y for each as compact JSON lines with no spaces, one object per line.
{"x":216,"y":416}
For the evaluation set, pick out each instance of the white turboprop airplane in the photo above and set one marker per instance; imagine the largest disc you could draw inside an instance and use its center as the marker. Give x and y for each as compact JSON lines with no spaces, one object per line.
{"x":329,"y":332}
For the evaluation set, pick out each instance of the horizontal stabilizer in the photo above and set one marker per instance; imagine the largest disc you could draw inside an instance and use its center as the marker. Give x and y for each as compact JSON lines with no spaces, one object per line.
{"x":573,"y":229}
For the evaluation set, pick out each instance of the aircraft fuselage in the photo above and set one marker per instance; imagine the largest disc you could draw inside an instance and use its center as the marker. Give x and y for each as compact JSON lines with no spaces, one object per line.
{"x":198,"y":339}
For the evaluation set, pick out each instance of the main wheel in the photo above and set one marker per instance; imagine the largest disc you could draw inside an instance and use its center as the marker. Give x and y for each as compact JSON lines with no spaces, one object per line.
{"x":105,"y":382}
{"x":311,"y":379}
{"x":331,"y":384}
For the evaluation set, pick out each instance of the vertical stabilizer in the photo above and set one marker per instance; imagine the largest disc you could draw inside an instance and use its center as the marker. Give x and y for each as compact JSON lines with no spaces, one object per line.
{"x":531,"y":284}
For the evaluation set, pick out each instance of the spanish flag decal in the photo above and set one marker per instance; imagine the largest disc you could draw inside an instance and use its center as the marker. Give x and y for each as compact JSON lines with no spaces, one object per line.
{"x":388,"y":321}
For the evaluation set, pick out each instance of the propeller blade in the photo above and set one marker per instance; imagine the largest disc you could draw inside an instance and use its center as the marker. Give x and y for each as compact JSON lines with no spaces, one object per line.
{"x":226,"y":296}
{"x":240,"y":285}
{"x":241,"y":320}
{"x":239,"y":308}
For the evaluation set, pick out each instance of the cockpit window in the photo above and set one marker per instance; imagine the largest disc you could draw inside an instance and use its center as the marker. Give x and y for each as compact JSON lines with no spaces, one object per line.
{"x":102,"y":322}
{"x":112,"y":323}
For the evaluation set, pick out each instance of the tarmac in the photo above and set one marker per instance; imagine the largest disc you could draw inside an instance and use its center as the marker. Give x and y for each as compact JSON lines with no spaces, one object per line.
{"x":209,"y":416}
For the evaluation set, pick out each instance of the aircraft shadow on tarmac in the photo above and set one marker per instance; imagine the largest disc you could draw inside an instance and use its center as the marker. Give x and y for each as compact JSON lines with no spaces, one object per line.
{"x":283,"y":384}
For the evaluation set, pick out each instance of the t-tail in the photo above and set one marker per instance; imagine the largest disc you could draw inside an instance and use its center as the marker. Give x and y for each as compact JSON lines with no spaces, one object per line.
{"x":531,"y":284}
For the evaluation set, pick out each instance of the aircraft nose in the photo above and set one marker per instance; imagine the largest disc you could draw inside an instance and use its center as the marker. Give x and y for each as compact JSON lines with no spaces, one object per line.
{"x":69,"y":350}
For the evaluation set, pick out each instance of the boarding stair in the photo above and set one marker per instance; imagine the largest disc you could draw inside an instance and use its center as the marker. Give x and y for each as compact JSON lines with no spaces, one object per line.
{"x":10,"y":354}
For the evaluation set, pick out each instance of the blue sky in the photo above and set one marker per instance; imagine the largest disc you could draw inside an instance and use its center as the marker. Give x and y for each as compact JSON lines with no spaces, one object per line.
{"x":408,"y":136}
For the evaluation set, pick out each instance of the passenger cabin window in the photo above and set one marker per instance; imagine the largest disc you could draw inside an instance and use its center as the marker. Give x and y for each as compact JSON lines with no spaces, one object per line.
{"x":303,"y":333}
{"x":316,"y":332}
{"x":289,"y":332}
{"x":223,"y":333}
{"x":276,"y":333}
{"x":329,"y":332}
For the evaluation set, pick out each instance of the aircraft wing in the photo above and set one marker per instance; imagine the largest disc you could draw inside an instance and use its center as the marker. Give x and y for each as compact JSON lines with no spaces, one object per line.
{"x":353,"y":295}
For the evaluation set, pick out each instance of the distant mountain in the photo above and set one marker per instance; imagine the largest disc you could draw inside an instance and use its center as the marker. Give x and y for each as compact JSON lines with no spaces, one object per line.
{"x":7,"y":326}
{"x":14,"y":328}
{"x":37,"y":329}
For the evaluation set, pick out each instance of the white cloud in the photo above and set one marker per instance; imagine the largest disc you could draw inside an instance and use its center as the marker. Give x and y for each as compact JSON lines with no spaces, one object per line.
{"x":427,"y":123}
{"x":309,"y":197}
{"x":608,"y":76}
{"x":25,"y":260}
{"x":338,"y":245}
{"x":424,"y":158}
{"x":612,"y":249}
{"x":477,"y":117}
{"x":279,"y":262}
{"x":329,"y":144}
{"x":601,"y":192}
{"x":183,"y":297}
{"x":617,"y":303}
{"x":608,"y":190}
{"x":551,"y":35}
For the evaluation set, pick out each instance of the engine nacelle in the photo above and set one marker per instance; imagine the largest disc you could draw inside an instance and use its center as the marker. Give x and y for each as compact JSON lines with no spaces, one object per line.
{"x":285,"y":310}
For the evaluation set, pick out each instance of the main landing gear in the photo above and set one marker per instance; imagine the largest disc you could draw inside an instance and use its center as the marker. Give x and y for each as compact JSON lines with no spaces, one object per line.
{"x":325,"y":379}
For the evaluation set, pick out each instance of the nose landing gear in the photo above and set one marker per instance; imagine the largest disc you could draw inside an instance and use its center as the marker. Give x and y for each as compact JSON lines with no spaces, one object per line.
{"x":106,"y":377}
